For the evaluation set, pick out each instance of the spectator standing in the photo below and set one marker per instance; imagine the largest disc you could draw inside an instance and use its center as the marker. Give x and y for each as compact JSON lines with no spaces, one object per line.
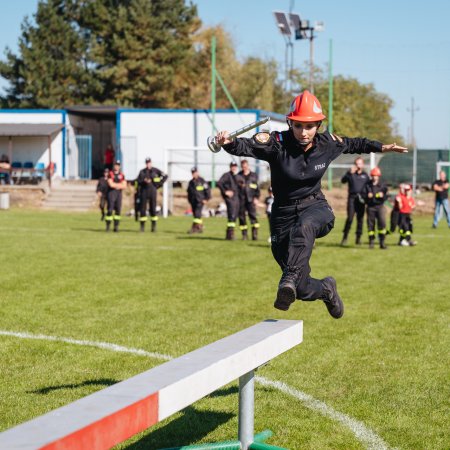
{"x":440,"y":187}
{"x":109,"y":157}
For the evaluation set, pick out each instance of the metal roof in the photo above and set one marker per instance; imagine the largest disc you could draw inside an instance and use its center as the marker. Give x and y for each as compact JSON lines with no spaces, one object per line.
{"x":30,"y":129}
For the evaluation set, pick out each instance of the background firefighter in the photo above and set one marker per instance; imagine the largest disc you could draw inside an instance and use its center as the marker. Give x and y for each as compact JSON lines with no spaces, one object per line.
{"x":199,"y":193}
{"x":375,"y":194}
{"x":248,"y":198}
{"x":228,"y":186}
{"x":149,"y":180}
{"x":116,"y":184}
{"x":357,"y":180}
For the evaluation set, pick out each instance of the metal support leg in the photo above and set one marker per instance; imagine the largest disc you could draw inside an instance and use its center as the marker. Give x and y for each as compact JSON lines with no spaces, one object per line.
{"x":246,"y":409}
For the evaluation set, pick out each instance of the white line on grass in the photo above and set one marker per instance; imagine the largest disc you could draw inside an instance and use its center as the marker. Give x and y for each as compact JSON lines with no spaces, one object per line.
{"x":362,"y":433}
{"x":102,"y":345}
{"x":366,"y":436}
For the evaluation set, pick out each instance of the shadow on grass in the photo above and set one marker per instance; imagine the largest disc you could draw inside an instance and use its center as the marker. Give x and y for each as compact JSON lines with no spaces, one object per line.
{"x":202,"y":238}
{"x":99,"y":382}
{"x":192,"y":426}
{"x":102,"y":230}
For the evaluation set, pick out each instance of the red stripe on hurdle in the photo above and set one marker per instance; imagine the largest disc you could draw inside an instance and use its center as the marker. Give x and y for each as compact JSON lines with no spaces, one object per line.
{"x":113,"y":429}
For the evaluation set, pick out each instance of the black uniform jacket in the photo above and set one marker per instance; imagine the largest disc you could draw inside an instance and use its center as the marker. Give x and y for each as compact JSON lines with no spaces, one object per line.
{"x":102,"y":186}
{"x":356,"y":182}
{"x":248,"y":186}
{"x":296,"y":174}
{"x":228,"y":182}
{"x":443,"y":194}
{"x":156,"y":177}
{"x":198,"y":190}
{"x":375,"y":190}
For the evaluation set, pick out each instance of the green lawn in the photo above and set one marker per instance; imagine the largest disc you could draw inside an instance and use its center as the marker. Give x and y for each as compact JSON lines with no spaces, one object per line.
{"x":385,"y":363}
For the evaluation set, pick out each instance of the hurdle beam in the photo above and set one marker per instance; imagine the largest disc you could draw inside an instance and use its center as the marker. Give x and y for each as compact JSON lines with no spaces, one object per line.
{"x":116,"y":413}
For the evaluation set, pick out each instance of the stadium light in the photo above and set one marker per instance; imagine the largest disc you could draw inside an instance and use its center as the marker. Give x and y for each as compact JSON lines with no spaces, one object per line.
{"x":285,"y":30}
{"x":291,"y":24}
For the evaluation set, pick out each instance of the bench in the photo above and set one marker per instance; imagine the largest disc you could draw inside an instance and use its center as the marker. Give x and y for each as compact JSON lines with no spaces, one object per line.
{"x":112,"y":415}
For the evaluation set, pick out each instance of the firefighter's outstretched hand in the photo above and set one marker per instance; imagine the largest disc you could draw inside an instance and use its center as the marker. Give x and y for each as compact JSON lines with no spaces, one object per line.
{"x":393,"y":148}
{"x":222,"y":138}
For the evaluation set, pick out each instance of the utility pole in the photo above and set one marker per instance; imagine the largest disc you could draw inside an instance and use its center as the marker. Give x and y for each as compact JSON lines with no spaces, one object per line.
{"x":413,"y":110}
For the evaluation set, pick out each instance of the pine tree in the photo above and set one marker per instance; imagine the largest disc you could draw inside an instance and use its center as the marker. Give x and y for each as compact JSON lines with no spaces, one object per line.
{"x":51,"y":70}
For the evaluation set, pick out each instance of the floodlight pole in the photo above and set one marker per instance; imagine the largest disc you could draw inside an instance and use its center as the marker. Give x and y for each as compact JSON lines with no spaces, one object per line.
{"x":213,"y":104}
{"x":311,"y":60}
{"x":412,"y":110}
{"x":330,"y":106}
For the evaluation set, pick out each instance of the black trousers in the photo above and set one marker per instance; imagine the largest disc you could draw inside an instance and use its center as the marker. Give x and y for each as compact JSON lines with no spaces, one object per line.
{"x":103,"y":201}
{"x":354,"y":206}
{"x":376,"y":215}
{"x":405,"y":226}
{"x":294,"y":230}
{"x":232,"y":208}
{"x":250,"y":209}
{"x":114,"y":204}
{"x":148,"y":200}
{"x":197,"y":208}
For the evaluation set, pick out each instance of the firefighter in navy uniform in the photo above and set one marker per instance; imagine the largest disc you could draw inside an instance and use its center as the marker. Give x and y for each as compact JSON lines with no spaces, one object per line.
{"x":102,"y":192}
{"x":116,"y":184}
{"x":248,"y":197}
{"x":149,"y":180}
{"x":199,"y":193}
{"x":228,"y":185}
{"x":357,"y":180}
{"x":298,"y":159}
{"x":375,"y":194}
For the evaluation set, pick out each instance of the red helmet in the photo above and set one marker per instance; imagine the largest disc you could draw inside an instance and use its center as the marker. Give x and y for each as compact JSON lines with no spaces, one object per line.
{"x":305,"y":108}
{"x":375,"y":172}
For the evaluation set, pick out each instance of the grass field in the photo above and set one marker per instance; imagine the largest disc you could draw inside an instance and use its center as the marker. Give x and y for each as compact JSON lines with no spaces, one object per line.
{"x":384,"y":364}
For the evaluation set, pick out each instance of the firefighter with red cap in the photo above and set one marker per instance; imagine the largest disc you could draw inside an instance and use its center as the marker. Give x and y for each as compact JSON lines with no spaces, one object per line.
{"x":116,"y":184}
{"x":298,"y":159}
{"x":375,"y":193}
{"x":149,"y":180}
{"x":199,"y":193}
{"x":229,"y":188}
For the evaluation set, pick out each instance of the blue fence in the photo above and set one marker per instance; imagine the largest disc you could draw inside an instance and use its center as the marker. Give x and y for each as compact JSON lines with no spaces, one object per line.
{"x":84,"y":144}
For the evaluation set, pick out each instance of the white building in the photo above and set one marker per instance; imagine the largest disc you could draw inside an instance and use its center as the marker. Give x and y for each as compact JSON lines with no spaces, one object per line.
{"x":75,"y":139}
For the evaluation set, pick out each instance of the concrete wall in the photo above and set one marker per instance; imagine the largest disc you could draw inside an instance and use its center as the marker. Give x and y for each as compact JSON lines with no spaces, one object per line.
{"x":34,"y":149}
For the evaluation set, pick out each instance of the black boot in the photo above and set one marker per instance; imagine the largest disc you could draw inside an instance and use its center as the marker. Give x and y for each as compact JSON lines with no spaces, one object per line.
{"x":287,"y":288}
{"x":331,"y":298}
{"x":344,"y":240}
{"x":382,"y":238}
{"x":230,"y":234}
{"x":153,"y":229}
{"x":371,"y":241}
{"x":142,"y":226}
{"x":116,"y":226}
{"x":193,"y":229}
{"x":244,"y":235}
{"x":108,"y":225}
{"x":254,"y":234}
{"x":358,"y":240}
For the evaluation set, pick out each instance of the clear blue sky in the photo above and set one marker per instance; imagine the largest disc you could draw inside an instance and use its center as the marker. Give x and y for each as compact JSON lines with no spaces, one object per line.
{"x":401,"y":46}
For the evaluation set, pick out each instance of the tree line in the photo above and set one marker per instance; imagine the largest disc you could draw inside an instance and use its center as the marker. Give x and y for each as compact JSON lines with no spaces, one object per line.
{"x":157,"y":54}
